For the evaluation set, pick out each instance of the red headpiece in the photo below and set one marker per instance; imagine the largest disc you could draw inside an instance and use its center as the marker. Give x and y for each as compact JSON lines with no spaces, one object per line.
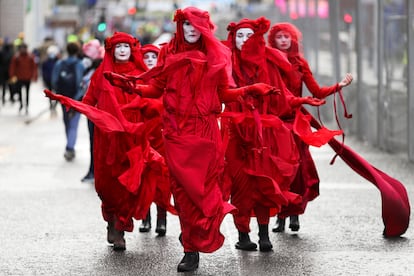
{"x":259,"y":26}
{"x":218,"y":55}
{"x":296,"y":35}
{"x":149,"y":48}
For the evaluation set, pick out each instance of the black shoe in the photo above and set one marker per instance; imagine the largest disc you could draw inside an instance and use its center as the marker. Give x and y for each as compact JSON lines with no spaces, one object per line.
{"x":146,"y":224}
{"x":69,"y":155}
{"x":264,"y":243}
{"x":110,"y":236}
{"x":115,"y":237}
{"x":189,"y":262}
{"x":119,"y":242}
{"x":245,"y":243}
{"x":294,"y":223}
{"x":89,"y":178}
{"x":161,"y":228}
{"x":279,"y":226}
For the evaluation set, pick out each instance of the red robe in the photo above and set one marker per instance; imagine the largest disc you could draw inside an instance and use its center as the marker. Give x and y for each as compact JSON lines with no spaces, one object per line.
{"x":262,"y":156}
{"x":193,"y":146}
{"x":126,"y":167}
{"x":306,"y":182}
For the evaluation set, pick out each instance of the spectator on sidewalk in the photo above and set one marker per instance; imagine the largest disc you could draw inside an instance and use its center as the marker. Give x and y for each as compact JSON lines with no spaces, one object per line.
{"x":46,"y":66}
{"x":6,"y":55}
{"x":66,"y":80}
{"x":23,"y":70}
{"x":93,"y":54}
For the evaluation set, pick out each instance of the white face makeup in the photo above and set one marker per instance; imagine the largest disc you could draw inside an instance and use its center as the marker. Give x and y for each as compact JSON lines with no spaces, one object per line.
{"x":191,"y":34}
{"x":283,"y":40}
{"x":150,"y":59}
{"x":242,"y":35}
{"x":122,"y":52}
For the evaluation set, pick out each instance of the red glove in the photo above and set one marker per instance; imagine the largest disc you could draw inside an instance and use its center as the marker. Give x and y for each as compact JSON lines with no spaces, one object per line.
{"x":298,"y":101}
{"x":121,"y":81}
{"x":260,"y":89}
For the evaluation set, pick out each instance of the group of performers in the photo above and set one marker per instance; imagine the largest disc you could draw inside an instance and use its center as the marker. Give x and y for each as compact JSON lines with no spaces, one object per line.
{"x":162,"y":131}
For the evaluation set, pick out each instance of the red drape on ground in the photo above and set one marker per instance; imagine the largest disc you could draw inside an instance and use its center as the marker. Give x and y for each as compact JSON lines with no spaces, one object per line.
{"x":395,"y":202}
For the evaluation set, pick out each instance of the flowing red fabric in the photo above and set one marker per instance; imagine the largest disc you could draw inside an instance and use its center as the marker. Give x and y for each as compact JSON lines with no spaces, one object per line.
{"x":127,"y":169}
{"x":306,"y":182}
{"x":302,"y":128}
{"x":189,"y":75}
{"x":102,"y":119}
{"x":262,"y":157}
{"x":395,"y":202}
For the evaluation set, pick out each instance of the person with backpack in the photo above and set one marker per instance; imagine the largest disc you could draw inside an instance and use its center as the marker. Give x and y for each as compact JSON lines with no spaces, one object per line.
{"x":66,"y":80}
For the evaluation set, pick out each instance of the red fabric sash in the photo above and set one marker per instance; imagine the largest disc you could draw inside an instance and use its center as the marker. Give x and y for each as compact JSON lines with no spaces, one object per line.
{"x":395,"y":202}
{"x":103,"y":120}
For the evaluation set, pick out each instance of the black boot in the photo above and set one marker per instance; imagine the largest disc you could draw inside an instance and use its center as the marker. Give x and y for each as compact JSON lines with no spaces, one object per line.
{"x":294,"y":223}
{"x":264,"y":243}
{"x":110,"y":235}
{"x":119,"y":241}
{"x":146,"y":224}
{"x":245,"y":243}
{"x":161,"y":228}
{"x":189,"y":262}
{"x":115,"y":237}
{"x":279,"y":226}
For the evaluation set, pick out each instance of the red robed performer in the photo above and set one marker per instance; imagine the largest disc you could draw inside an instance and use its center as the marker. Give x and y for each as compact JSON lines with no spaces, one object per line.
{"x":127,"y":169}
{"x":396,"y":208}
{"x":193,"y":75}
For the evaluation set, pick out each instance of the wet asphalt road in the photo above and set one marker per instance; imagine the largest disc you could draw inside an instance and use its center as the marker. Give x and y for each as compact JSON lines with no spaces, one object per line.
{"x":51,"y":222}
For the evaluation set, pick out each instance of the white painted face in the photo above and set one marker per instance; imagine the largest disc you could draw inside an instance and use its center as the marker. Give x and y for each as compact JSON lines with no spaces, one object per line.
{"x":122,"y":52}
{"x":191,"y":34}
{"x":242,"y":35}
{"x":283,"y":40}
{"x":150,"y":59}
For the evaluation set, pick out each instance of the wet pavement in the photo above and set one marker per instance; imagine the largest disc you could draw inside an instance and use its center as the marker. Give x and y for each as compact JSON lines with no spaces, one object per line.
{"x":51,"y":222}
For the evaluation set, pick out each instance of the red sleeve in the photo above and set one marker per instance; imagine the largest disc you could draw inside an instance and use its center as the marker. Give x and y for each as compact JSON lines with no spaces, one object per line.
{"x":313,"y":86}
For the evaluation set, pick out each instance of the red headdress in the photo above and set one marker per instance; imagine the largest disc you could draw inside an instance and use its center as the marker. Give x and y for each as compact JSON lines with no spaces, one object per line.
{"x":149,"y":48}
{"x":249,"y":63}
{"x":218,"y":55}
{"x":109,"y":64}
{"x":296,"y":46}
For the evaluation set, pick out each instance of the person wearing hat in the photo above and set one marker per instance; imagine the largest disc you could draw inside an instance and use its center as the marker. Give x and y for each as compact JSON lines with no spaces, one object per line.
{"x":126,"y":166}
{"x":93,"y":53}
{"x":150,"y":54}
{"x":193,"y":77}
{"x":288,"y":39}
{"x":262,"y":157}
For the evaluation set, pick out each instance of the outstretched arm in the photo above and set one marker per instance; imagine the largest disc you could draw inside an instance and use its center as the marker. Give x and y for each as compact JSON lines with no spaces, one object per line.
{"x":129,"y":85}
{"x":325,"y":91}
{"x":298,"y":101}
{"x":257,"y":89}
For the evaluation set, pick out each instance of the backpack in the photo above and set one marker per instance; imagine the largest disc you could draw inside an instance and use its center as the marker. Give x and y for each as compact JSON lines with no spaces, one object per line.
{"x":66,"y":83}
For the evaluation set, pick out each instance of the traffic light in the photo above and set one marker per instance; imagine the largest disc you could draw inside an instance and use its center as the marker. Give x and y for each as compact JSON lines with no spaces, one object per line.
{"x":348,"y":18}
{"x":102,"y":27}
{"x":102,"y":24}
